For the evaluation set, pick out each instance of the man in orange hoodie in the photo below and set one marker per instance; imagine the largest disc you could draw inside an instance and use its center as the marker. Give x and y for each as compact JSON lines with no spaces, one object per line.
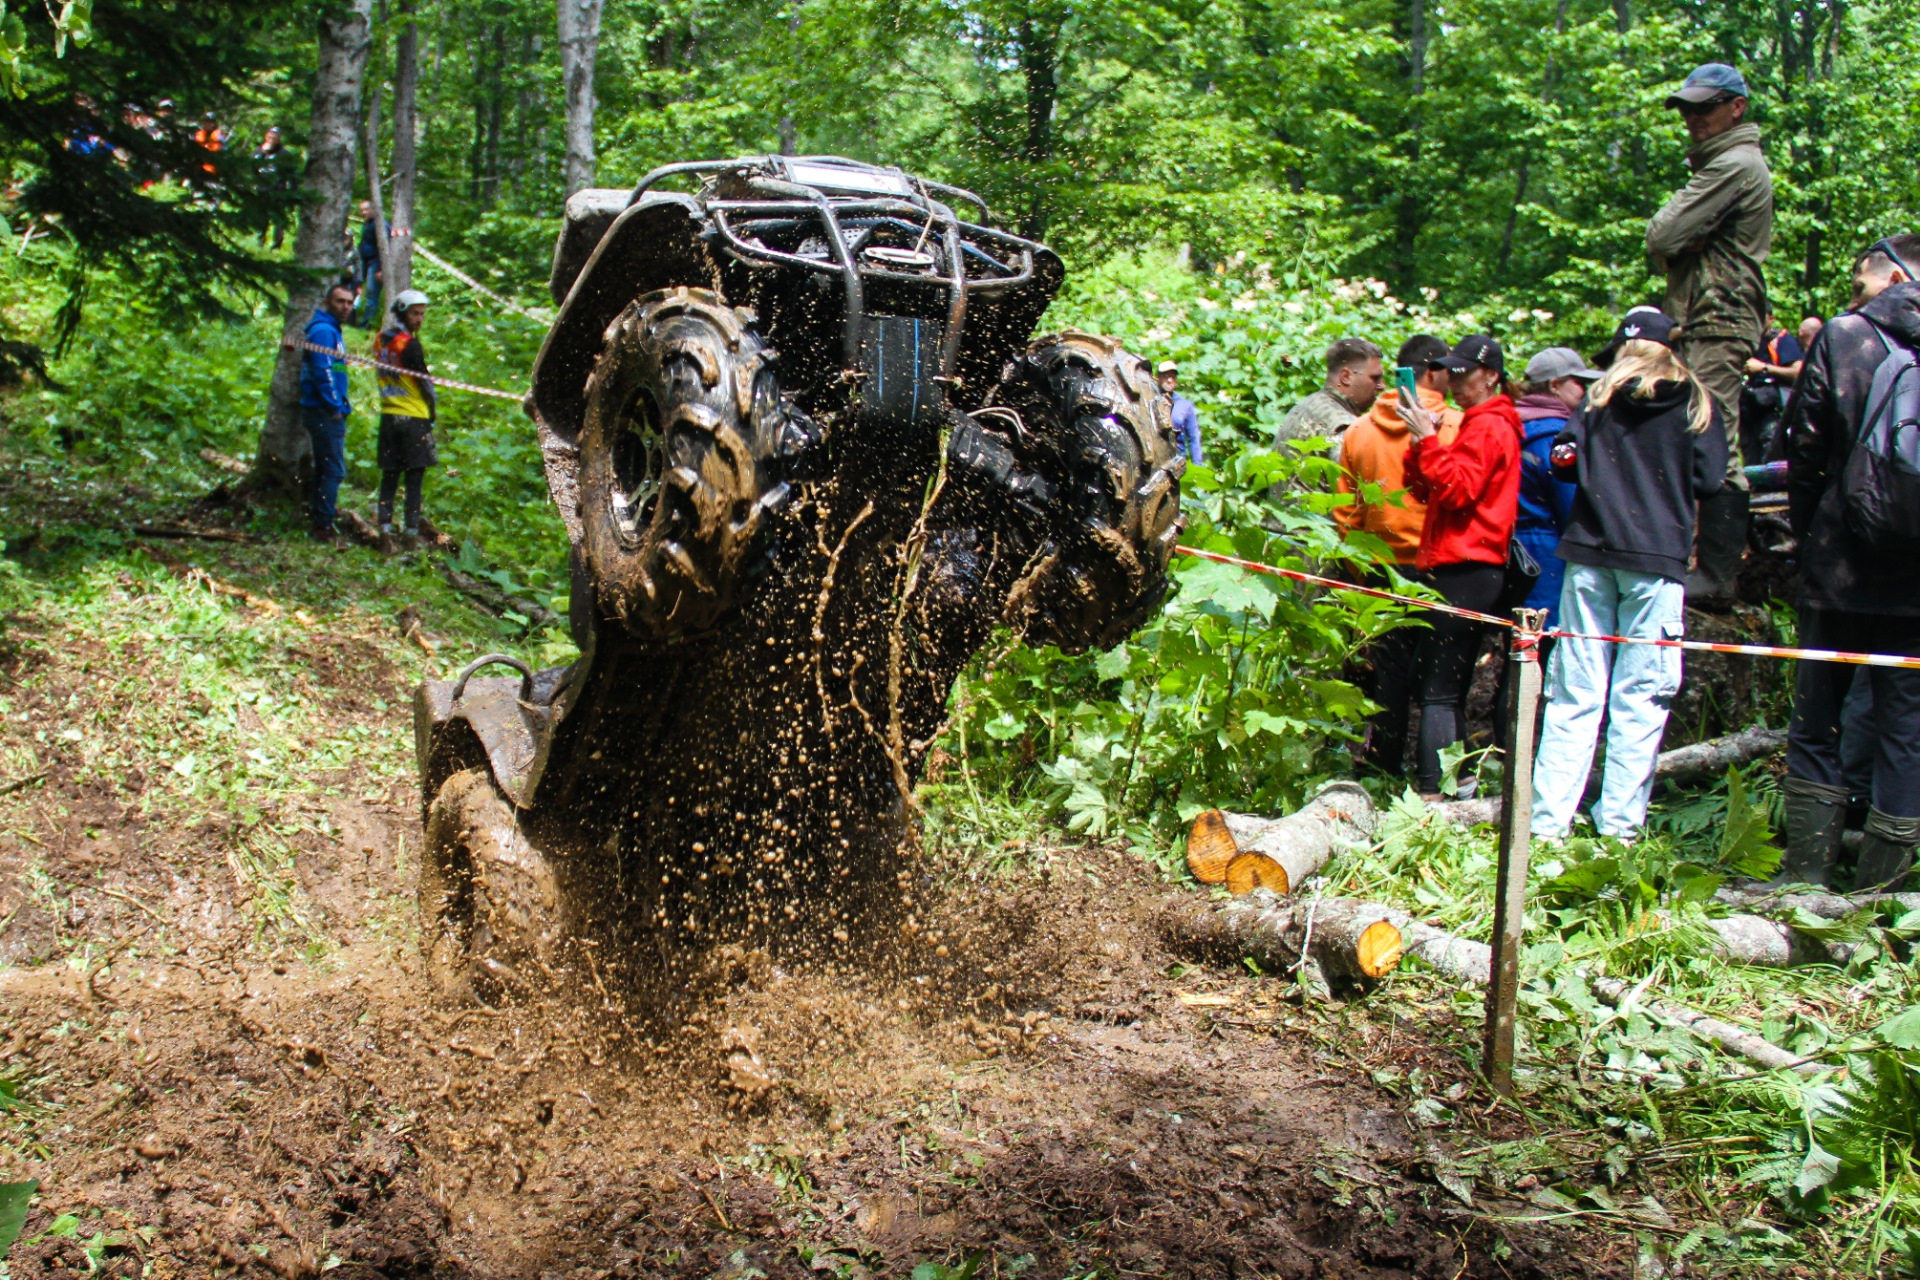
{"x":1374,"y":453}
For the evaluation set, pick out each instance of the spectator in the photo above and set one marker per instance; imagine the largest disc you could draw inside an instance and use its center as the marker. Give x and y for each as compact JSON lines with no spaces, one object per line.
{"x":275,"y":171}
{"x":1471,"y":488}
{"x":1771,"y":371}
{"x":324,"y":407}
{"x":1373,"y":456}
{"x":1186,"y":419}
{"x":407,"y":412}
{"x":369,"y":260}
{"x":1852,"y":595}
{"x":1712,"y":239}
{"x":1354,"y":381}
{"x":1557,"y":381}
{"x":1809,"y":330}
{"x":211,"y":137}
{"x":1647,"y":447}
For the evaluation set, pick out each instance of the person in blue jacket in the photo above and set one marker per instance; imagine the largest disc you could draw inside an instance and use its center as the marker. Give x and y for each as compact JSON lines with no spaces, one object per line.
{"x":1557,"y":381}
{"x":1186,"y":419}
{"x":324,"y":407}
{"x":368,"y":257}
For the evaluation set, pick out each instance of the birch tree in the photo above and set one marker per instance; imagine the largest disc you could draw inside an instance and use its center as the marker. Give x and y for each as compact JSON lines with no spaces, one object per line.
{"x":346,"y":37}
{"x":579,"y":44}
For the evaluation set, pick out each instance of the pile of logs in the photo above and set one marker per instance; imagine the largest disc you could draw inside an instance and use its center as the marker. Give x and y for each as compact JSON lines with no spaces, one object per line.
{"x":1266,"y":862}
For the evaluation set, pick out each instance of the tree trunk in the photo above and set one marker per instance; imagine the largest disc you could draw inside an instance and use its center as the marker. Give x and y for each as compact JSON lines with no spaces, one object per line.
{"x":285,"y":453}
{"x":406,"y":90}
{"x":1353,"y":942}
{"x":579,"y":46}
{"x":382,"y":242}
{"x":1288,"y":849}
{"x":1828,"y":906}
{"x":1039,"y":51}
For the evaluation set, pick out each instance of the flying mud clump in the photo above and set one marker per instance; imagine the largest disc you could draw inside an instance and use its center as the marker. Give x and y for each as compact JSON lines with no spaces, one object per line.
{"x":809,"y":460}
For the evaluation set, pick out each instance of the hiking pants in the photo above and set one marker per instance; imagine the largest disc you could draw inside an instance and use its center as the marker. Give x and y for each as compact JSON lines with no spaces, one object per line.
{"x":1820,"y":690}
{"x":1632,"y":684}
{"x":1445,"y":662}
{"x":389,"y":483}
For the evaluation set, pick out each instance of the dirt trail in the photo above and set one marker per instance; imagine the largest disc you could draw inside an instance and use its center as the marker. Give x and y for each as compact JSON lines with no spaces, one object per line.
{"x":204,"y":1099}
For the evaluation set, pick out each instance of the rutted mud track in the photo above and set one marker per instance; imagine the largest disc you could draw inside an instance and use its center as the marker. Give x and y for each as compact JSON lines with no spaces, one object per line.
{"x":1041,"y":1092}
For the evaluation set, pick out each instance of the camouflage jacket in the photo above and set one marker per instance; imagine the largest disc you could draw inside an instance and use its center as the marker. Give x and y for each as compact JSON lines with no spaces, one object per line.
{"x":1323,"y":413}
{"x":1712,"y":238}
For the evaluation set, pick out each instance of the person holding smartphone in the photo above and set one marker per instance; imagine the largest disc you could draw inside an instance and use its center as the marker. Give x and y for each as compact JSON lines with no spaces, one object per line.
{"x":1471,"y":488}
{"x":1373,"y":459}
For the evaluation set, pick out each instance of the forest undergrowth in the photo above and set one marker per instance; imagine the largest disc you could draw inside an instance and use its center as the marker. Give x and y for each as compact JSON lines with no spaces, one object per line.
{"x":1241,"y":694}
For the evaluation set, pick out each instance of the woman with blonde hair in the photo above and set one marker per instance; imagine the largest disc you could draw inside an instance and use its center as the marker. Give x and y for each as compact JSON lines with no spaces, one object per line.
{"x":1645,"y":449}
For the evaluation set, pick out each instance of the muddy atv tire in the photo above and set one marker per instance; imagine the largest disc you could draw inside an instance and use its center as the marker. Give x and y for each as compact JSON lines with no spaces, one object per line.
{"x":492,"y":915}
{"x":681,"y":452}
{"x":1103,"y":438}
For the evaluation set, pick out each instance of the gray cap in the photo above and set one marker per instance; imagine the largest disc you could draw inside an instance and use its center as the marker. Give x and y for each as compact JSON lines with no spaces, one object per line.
{"x":1559,"y":362}
{"x":1708,"y":82}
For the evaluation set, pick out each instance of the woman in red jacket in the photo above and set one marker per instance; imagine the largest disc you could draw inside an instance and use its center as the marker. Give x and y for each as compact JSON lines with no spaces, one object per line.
{"x":1472,"y":489}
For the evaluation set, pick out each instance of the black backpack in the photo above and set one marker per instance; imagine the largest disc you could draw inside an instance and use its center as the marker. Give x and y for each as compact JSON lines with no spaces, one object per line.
{"x":1880,"y":485}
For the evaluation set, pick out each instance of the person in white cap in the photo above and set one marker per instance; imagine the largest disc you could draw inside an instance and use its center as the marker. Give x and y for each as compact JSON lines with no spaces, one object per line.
{"x":407,"y":411}
{"x":1186,"y":419}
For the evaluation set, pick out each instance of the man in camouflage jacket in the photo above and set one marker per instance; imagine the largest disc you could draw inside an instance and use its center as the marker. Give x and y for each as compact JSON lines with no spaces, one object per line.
{"x":1712,"y":240}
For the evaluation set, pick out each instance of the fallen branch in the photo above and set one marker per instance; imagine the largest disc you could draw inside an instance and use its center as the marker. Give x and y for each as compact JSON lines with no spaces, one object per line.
{"x":1736,"y":1040}
{"x":1828,"y":906}
{"x":1352,"y":941}
{"x":1279,"y":853}
{"x":498,"y":602}
{"x":1772,"y":944}
{"x":1709,"y":759}
{"x":188,"y":531}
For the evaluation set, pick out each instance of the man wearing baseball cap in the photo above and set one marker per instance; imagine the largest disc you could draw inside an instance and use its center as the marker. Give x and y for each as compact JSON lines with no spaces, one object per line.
{"x":1712,"y":240}
{"x":1186,"y":419}
{"x":407,"y":411}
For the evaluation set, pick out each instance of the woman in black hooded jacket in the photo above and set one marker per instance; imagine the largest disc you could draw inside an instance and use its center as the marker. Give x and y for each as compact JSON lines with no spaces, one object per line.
{"x":1645,"y":449}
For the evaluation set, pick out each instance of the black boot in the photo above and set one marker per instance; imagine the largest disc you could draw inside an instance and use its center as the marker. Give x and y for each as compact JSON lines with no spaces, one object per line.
{"x":1886,"y":852}
{"x":1722,"y":543}
{"x":1816,"y":817}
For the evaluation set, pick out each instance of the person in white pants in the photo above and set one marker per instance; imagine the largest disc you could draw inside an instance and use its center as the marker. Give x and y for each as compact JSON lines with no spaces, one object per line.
{"x":1643,"y":450}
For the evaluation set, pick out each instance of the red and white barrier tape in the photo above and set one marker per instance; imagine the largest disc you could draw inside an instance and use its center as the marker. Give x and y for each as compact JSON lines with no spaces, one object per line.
{"x":370,"y":363}
{"x":1699,"y":646}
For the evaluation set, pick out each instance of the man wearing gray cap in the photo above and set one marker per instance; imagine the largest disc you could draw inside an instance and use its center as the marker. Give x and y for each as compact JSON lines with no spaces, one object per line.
{"x":1712,"y":240}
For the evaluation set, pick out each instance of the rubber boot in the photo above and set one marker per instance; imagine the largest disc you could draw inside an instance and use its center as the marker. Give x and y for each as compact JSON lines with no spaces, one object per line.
{"x":1722,"y":543}
{"x":1816,"y":819}
{"x":1886,"y":852}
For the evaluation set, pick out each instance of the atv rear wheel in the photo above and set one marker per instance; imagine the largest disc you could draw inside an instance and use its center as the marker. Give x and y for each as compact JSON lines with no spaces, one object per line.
{"x":1104,"y":439}
{"x":492,"y":914}
{"x":680,"y":459}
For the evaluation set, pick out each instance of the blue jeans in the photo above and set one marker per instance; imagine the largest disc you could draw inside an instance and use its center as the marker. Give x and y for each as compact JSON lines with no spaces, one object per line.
{"x":329,"y":437}
{"x":1633,"y":684}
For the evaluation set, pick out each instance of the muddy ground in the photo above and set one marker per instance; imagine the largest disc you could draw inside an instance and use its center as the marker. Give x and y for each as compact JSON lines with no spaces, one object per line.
{"x":1055,"y":1095}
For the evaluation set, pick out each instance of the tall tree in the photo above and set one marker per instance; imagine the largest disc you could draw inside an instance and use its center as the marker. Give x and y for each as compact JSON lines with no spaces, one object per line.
{"x":406,"y":89}
{"x":346,"y":38}
{"x":579,"y":46}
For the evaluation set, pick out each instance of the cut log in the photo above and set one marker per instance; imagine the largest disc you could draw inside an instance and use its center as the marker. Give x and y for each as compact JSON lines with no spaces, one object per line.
{"x":1250,"y":871}
{"x":1298,"y":845}
{"x":1771,"y":944}
{"x":1353,"y":942}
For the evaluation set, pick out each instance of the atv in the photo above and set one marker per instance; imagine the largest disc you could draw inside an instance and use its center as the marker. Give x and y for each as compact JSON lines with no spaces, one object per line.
{"x":808,"y":462}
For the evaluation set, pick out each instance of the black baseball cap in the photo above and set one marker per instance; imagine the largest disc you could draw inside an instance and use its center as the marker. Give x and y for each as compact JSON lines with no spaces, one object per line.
{"x":1476,"y":350}
{"x":1709,"y":82}
{"x":1420,"y":351}
{"x":1650,"y":323}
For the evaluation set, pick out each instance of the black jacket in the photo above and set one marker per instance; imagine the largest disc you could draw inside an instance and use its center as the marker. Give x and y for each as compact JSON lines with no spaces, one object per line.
{"x":1821,"y":424}
{"x":1639,"y":470}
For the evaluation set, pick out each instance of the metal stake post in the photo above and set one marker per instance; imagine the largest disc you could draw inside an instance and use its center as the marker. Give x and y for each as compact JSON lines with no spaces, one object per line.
{"x":1516,"y":839}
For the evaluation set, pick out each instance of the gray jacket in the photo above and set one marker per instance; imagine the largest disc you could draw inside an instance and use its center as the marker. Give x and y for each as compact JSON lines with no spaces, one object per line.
{"x":1713,"y":236}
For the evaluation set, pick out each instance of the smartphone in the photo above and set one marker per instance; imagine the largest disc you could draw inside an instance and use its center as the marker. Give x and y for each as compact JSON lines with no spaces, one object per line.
{"x":1403,"y":379}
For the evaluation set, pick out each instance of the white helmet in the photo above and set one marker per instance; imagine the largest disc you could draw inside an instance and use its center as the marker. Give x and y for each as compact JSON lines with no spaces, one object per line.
{"x":409,"y":298}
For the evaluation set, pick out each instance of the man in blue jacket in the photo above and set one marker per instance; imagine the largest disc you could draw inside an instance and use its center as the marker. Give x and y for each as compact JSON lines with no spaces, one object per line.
{"x":1186,"y":419}
{"x":324,"y":407}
